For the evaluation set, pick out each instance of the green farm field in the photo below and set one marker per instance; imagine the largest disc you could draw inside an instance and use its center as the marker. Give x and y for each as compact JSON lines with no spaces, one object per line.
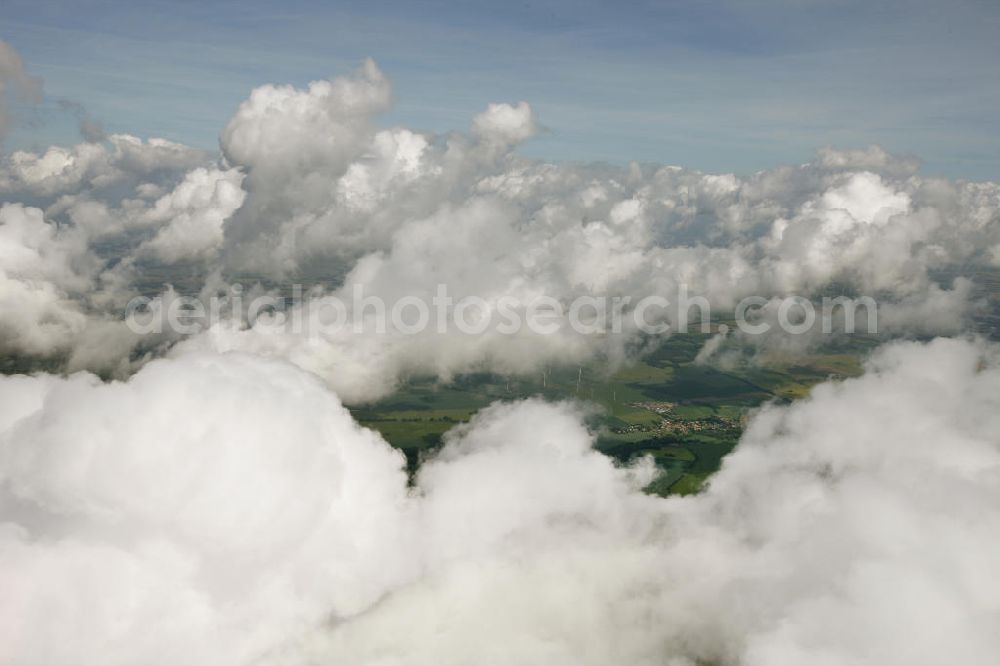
{"x":686,"y":415}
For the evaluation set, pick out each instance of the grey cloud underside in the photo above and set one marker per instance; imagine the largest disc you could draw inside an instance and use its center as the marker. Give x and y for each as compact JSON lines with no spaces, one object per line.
{"x":217,"y":504}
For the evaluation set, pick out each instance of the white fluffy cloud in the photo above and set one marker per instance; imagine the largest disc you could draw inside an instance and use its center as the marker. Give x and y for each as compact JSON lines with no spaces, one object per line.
{"x":514,"y":239}
{"x":153,"y":522}
{"x":504,"y":124}
{"x":189,"y":219}
{"x":94,"y":166}
{"x":227,"y":509}
{"x":309,"y":189}
{"x":855,"y":527}
{"x":39,"y":270}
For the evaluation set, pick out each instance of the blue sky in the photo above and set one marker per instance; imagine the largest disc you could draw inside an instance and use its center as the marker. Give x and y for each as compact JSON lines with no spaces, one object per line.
{"x":719,"y":86}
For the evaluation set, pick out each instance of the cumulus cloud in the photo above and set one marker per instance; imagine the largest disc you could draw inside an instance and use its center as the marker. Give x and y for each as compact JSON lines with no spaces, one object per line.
{"x":539,"y":230}
{"x":294,"y":145}
{"x":39,"y":269}
{"x":818,"y":541}
{"x":189,"y":219}
{"x":93,"y":167}
{"x":308,"y":188}
{"x":505,"y":124}
{"x":57,"y":301}
{"x":264,"y":526}
{"x":410,"y":211}
{"x":186,"y":533}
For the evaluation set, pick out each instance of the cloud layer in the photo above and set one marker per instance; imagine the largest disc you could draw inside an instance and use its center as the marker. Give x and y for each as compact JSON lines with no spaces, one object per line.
{"x":209,"y":500}
{"x":308,"y":188}
{"x":227,"y":509}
